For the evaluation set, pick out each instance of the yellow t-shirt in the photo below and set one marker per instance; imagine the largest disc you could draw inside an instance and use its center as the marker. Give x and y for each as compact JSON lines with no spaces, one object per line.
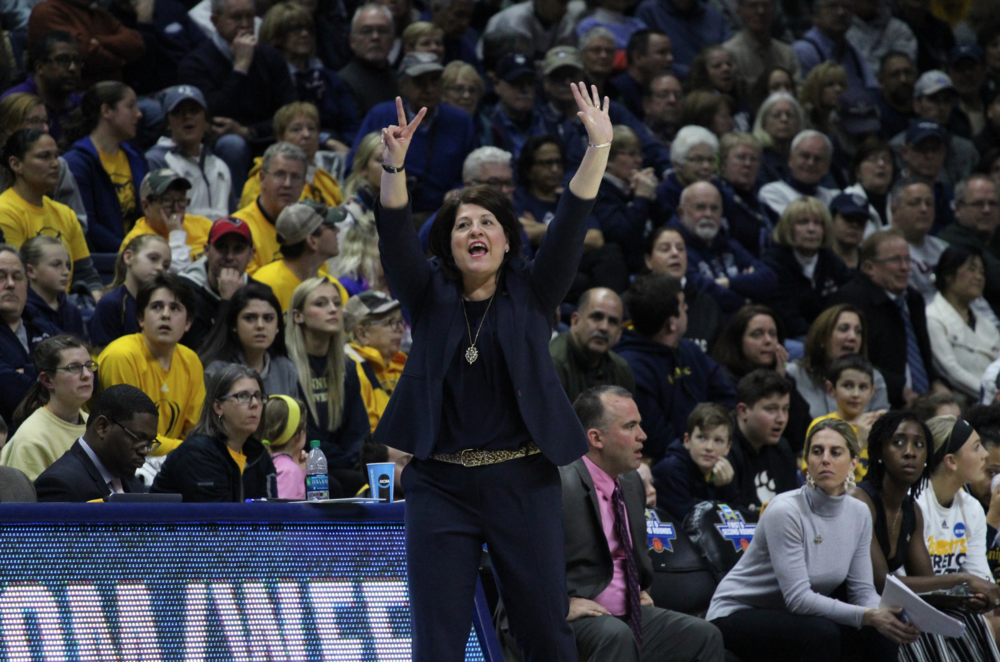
{"x":239,"y":458}
{"x":266,"y":248}
{"x":862,"y":468}
{"x":323,"y":188}
{"x":283,"y":282}
{"x":120,"y":173}
{"x":178,"y":393}
{"x":196,"y":227}
{"x":376,"y":399}
{"x":21,"y":220}
{"x":41,"y":440}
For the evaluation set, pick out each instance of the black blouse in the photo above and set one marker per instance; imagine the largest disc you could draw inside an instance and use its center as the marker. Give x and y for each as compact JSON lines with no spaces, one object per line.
{"x":881,"y":527}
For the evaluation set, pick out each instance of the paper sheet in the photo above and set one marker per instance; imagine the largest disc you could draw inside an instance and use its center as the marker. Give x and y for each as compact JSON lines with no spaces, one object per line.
{"x":925,"y":617}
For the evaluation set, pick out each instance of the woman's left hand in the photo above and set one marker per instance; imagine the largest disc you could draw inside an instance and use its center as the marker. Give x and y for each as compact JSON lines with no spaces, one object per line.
{"x":593,"y":116}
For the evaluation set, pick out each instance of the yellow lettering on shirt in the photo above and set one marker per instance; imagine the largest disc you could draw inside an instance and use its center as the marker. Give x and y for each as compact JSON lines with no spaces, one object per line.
{"x":120,"y":173}
{"x":941,"y":547}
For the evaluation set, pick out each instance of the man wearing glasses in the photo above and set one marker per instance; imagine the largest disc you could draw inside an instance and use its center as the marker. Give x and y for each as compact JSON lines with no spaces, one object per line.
{"x":164,"y":198}
{"x":121,"y":432}
{"x":57,"y":66}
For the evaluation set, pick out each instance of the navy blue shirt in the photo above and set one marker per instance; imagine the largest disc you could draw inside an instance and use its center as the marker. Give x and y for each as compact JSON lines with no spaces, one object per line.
{"x":480,"y":406}
{"x":113,"y":318}
{"x":341,"y":446}
{"x":67,"y":319}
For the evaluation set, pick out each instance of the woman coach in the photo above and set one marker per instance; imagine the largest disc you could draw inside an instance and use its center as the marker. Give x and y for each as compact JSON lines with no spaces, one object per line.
{"x":479,"y":403}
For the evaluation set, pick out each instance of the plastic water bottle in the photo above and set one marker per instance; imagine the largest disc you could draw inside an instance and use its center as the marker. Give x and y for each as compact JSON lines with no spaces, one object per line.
{"x":317,"y":480}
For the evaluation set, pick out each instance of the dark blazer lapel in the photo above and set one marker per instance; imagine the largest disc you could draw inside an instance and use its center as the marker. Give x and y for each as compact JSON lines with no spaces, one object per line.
{"x":90,"y":468}
{"x":456,"y":329}
{"x":588,"y":484}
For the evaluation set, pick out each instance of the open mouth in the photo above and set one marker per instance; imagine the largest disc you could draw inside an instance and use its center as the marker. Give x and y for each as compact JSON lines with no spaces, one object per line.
{"x":478,"y":249}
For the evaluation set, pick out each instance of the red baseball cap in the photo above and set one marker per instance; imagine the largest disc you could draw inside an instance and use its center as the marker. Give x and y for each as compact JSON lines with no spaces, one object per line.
{"x":228,"y":225}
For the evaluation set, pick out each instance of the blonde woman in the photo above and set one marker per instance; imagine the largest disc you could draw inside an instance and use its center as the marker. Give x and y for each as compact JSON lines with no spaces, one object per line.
{"x":808,"y":271}
{"x":463,"y":86}
{"x":328,"y":380}
{"x":359,"y":266}
{"x":779,"y":120}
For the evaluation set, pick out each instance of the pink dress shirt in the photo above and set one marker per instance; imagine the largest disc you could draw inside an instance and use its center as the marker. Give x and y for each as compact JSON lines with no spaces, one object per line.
{"x":612,"y":598}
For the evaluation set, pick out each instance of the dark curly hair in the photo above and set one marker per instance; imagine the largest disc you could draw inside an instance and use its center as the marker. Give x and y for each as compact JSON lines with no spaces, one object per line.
{"x":881,"y":434}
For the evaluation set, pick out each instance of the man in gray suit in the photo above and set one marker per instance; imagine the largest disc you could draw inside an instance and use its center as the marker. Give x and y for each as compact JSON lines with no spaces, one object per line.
{"x":15,"y":487}
{"x":612,"y":616}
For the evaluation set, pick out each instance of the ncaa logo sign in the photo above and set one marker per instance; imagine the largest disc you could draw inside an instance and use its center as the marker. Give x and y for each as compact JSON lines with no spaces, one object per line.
{"x":960,"y":530}
{"x":383,"y":480}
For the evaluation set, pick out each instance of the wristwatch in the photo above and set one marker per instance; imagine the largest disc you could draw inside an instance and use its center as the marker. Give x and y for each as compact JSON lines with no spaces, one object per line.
{"x":392,"y":169}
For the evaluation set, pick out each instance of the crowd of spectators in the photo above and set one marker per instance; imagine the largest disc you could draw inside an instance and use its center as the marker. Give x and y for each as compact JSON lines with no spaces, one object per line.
{"x":798,"y":221}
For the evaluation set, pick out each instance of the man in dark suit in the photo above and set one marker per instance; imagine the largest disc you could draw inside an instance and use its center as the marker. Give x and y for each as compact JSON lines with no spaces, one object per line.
{"x":612,"y":616}
{"x":896,"y":331}
{"x":15,"y":487}
{"x":121,"y":431}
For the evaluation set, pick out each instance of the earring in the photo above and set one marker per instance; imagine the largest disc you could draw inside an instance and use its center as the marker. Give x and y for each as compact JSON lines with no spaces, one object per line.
{"x":849,"y":482}
{"x":506,"y":250}
{"x":809,"y":481}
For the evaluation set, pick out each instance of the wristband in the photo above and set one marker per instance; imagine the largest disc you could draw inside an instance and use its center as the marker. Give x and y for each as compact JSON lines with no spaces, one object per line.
{"x":391,"y":169}
{"x":607,"y":144}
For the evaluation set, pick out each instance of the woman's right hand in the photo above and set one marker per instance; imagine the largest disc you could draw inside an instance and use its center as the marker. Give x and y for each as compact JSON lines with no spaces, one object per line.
{"x":396,"y":137}
{"x":889,"y":623}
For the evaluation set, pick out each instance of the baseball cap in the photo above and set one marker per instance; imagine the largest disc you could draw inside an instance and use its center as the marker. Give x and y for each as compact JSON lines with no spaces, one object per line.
{"x":850,"y":205}
{"x":171,"y":97}
{"x":921,"y":131}
{"x":156,"y":183}
{"x":369,"y":302}
{"x":561,"y":56}
{"x":932,"y":82}
{"x":298,"y":221}
{"x":965,"y":52}
{"x":513,"y":66}
{"x":229,"y":225}
{"x":417,"y":64}
{"x":857,"y":112}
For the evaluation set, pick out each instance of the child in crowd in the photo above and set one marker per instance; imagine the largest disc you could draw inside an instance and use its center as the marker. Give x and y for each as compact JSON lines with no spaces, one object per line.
{"x":48,"y":269}
{"x":285,"y":436}
{"x":849,"y":381}
{"x":695,"y":468}
{"x":142,"y":259}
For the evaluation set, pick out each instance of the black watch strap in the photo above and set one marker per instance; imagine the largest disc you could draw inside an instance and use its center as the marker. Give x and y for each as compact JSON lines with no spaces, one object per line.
{"x":391,"y":169}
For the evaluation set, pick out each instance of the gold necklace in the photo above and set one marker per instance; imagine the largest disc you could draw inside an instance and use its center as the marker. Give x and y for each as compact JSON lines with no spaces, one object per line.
{"x":472,"y":353}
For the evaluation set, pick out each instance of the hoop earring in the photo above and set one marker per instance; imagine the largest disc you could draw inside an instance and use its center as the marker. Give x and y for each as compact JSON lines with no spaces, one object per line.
{"x":809,"y":481}
{"x":849,"y":483}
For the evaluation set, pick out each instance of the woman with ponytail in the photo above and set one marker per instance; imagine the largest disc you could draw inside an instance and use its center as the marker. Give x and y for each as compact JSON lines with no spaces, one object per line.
{"x":49,"y":419}
{"x":107,"y":169}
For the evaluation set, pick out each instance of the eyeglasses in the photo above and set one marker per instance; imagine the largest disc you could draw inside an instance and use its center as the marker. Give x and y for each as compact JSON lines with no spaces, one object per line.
{"x":77,"y":368}
{"x":67,"y":60}
{"x":390,"y":323}
{"x":244,"y":397}
{"x":290,"y":177}
{"x":980,"y":204}
{"x":701,"y":160}
{"x":145,"y":445}
{"x":175,"y":203}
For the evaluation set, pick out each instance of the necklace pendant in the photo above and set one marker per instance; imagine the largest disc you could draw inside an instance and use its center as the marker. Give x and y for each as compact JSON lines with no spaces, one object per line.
{"x":818,"y":539}
{"x":471,"y":354}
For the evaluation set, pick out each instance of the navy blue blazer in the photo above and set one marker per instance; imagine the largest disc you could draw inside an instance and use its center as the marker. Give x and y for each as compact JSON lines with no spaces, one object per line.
{"x":527,"y":296}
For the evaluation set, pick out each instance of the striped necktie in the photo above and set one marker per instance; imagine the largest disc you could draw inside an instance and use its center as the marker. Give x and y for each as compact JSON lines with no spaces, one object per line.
{"x":631,"y":571}
{"x":918,"y":373}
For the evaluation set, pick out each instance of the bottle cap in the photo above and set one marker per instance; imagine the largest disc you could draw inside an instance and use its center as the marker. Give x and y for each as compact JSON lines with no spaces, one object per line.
{"x":314,"y":443}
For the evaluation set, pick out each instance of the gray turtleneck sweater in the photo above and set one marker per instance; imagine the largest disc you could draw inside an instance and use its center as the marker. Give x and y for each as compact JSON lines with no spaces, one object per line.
{"x":806,"y":544}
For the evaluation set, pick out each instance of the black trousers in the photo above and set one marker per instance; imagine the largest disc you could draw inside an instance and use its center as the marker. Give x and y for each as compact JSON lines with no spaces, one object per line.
{"x":515,"y":507}
{"x":776,"y":635}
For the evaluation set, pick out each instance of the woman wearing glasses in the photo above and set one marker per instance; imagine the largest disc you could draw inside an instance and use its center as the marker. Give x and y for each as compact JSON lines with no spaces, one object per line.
{"x":222,"y":458}
{"x":49,"y":419}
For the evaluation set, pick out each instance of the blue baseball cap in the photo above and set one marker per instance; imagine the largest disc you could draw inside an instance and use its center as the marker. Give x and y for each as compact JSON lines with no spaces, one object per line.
{"x":857,"y":112}
{"x":172,"y":97}
{"x":921,"y":131}
{"x":513,"y":66}
{"x":851,"y":205}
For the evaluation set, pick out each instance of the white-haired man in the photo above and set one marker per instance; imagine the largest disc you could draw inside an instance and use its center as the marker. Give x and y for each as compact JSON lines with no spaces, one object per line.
{"x":808,"y":165}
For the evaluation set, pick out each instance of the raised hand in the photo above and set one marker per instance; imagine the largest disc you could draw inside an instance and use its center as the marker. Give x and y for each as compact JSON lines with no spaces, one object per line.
{"x":396,"y":138}
{"x":594,"y":117}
